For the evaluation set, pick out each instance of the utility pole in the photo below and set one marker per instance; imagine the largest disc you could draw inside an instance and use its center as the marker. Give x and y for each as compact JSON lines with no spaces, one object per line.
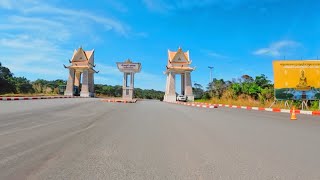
{"x":210,"y":82}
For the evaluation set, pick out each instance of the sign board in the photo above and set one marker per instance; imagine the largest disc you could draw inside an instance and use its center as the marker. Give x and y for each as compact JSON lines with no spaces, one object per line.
{"x":129,"y":67}
{"x":297,"y":80}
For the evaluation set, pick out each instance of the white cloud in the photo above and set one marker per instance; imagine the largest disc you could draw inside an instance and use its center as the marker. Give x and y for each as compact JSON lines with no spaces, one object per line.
{"x":157,"y":5}
{"x":108,"y":80}
{"x":112,"y":76}
{"x":108,"y":23}
{"x":150,"y":81}
{"x":17,"y":4}
{"x":109,"y":70}
{"x":25,"y":55}
{"x":36,"y":12}
{"x":24,"y":44}
{"x":213,"y":54}
{"x":6,"y":4}
{"x":279,"y":48}
{"x":37,"y":38}
{"x":216,"y":55}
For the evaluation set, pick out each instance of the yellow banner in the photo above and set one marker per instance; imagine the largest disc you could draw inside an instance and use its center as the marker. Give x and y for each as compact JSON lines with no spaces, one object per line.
{"x":299,"y":75}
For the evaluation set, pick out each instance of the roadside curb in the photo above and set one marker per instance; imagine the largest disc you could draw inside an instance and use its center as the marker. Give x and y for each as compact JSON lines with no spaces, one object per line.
{"x":118,"y":101}
{"x":314,"y":113}
{"x":278,"y":110}
{"x":202,"y":105}
{"x":36,"y":98}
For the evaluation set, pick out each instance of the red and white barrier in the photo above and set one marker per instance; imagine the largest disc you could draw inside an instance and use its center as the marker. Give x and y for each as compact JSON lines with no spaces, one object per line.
{"x":210,"y":106}
{"x":34,"y":98}
{"x":119,"y":100}
{"x":206,"y":105}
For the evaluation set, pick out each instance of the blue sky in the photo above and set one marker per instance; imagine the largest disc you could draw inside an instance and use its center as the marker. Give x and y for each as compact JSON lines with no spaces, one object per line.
{"x":235,"y":36}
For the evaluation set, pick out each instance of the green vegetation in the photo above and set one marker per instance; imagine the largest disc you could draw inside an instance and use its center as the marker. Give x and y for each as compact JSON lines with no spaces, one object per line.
{"x":246,"y":87}
{"x":9,"y":84}
{"x":116,"y":91}
{"x":247,"y":91}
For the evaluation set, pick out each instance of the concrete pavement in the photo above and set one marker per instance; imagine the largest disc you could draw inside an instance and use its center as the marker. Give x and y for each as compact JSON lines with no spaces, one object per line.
{"x":90,"y":139}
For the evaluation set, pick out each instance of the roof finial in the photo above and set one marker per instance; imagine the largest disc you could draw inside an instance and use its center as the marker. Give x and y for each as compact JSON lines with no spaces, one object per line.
{"x":179,"y":47}
{"x":128,"y":61}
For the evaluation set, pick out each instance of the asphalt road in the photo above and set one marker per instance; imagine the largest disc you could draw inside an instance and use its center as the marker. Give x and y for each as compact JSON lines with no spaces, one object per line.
{"x":88,"y":139}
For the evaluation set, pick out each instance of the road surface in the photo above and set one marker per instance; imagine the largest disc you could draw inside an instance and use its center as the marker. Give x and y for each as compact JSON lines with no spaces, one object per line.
{"x":90,"y":139}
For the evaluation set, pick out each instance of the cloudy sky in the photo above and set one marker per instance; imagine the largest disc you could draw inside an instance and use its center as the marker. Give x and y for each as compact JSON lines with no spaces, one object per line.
{"x":235,"y":36}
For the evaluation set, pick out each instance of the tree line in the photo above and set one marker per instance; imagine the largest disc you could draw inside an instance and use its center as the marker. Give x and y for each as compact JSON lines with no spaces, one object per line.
{"x":10,"y":84}
{"x":259,"y":88}
{"x":116,"y":91}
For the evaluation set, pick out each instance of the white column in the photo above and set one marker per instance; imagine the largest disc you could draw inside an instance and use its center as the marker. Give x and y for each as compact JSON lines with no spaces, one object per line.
{"x":170,"y":94}
{"x":91,"y":84}
{"x":188,"y":86}
{"x":131,"y":80}
{"x":77,"y":78}
{"x":182,"y":84}
{"x":70,"y":83}
{"x":131,"y":86}
{"x":85,"y":84}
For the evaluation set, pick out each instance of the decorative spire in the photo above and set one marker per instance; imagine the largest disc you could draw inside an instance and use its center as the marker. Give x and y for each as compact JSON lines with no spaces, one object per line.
{"x":128,"y":61}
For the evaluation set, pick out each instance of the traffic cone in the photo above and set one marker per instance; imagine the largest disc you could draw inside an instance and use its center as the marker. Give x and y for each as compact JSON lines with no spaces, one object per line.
{"x":293,"y":114}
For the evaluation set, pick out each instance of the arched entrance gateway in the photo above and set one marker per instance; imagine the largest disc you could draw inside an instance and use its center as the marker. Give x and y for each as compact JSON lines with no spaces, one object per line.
{"x":178,"y":63}
{"x":82,"y":63}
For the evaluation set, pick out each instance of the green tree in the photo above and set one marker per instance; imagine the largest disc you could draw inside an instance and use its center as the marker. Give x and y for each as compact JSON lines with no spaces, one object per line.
{"x":198,"y":90}
{"x":237,"y":89}
{"x":23,"y":85}
{"x":262,"y":81}
{"x":6,"y":80}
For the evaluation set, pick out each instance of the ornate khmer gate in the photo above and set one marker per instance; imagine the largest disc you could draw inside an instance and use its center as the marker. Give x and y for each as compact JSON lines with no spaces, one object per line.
{"x":82,"y":63}
{"x":178,"y":63}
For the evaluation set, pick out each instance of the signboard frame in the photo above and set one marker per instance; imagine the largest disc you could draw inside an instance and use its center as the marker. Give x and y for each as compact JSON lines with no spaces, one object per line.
{"x":129,"y":67}
{"x":296,"y":80}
